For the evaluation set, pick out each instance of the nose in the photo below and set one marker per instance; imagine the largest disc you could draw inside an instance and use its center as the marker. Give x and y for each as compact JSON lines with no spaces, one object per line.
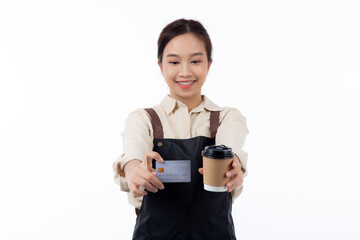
{"x":185,"y":70}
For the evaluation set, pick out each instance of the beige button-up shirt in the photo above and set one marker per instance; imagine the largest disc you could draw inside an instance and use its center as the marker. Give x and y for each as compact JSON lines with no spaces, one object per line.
{"x":179,"y":123}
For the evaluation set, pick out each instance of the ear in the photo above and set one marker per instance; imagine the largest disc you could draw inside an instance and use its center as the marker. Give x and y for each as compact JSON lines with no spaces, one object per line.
{"x":158,"y":61}
{"x":209,"y":64}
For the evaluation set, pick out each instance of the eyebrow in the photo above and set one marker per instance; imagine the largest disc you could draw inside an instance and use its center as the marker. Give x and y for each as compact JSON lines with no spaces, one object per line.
{"x":175,"y":55}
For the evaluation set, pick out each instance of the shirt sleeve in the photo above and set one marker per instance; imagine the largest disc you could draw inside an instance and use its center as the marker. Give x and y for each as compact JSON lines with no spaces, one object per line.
{"x":137,"y":140}
{"x":232,"y":132}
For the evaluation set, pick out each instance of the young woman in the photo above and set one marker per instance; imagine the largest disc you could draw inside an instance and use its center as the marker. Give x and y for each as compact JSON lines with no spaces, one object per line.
{"x":179,"y":128}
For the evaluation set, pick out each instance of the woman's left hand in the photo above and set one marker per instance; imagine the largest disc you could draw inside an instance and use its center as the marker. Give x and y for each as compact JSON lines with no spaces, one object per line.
{"x":235,"y":174}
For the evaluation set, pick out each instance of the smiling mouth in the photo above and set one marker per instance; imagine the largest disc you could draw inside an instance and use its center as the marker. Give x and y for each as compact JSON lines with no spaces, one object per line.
{"x":185,"y":83}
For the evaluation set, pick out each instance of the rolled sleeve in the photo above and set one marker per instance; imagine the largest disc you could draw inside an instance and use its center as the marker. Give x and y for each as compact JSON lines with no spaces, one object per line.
{"x":119,"y":176}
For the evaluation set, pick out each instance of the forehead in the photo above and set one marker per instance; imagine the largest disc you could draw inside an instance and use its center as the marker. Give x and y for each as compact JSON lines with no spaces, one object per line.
{"x":185,"y":45}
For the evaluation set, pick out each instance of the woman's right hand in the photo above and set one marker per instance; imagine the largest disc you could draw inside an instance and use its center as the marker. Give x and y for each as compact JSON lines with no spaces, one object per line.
{"x":142,"y":175}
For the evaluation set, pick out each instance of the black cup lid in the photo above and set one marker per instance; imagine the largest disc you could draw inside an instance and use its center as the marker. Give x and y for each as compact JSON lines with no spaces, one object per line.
{"x":217,"y":151}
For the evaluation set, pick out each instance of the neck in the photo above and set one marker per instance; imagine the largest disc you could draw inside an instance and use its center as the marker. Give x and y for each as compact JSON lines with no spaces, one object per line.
{"x":191,"y":103}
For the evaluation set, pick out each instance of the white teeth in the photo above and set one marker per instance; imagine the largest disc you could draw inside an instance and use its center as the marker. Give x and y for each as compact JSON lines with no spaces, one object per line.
{"x":185,"y":83}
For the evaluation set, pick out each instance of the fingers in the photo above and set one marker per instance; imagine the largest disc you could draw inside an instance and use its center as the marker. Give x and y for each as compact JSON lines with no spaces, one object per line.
{"x":149,"y":181}
{"x":138,"y":183}
{"x":149,"y":186}
{"x":201,"y":171}
{"x":236,"y":168}
{"x":149,"y":156}
{"x":236,"y":162}
{"x":136,"y":191}
{"x":142,"y":176}
{"x":235,"y":174}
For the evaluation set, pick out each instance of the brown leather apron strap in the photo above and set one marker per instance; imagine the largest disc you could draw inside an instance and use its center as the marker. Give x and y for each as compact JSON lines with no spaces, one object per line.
{"x":214,"y":122}
{"x":156,"y":123}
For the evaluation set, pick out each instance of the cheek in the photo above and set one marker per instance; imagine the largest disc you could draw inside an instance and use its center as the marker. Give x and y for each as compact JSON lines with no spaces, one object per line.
{"x":169,"y":73}
{"x":201,"y":72}
{"x":169,"y":79}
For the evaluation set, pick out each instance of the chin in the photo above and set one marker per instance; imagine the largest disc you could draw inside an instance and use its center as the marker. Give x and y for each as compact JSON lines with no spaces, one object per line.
{"x":187,"y":94}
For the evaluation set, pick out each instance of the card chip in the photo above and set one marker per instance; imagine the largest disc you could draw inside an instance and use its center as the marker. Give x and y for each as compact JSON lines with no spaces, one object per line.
{"x":161,"y":170}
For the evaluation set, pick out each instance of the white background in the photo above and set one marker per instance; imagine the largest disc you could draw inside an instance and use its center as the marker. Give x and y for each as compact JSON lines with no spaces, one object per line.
{"x":72,"y":70}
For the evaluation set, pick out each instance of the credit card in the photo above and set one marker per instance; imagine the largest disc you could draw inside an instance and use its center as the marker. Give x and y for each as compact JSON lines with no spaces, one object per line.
{"x":174,"y":171}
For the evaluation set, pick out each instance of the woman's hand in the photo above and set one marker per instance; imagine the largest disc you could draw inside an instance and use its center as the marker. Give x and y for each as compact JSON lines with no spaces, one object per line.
{"x":235,"y":174}
{"x":142,"y":175}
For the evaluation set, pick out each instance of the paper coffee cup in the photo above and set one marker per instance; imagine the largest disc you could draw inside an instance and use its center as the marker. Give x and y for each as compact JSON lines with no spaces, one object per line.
{"x":217,"y":160}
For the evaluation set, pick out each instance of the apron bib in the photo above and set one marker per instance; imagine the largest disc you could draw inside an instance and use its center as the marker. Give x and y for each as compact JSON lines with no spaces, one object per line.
{"x":184,"y":210}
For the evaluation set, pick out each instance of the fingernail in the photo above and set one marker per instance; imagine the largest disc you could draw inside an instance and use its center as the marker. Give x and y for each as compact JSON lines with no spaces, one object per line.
{"x":229,"y":185}
{"x":229,"y":174}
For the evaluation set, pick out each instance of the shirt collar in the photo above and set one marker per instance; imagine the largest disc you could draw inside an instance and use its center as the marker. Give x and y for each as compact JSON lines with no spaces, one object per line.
{"x":170,"y":103}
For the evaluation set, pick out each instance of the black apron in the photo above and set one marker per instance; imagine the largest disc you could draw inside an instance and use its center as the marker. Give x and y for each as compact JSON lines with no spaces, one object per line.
{"x":184,"y":210}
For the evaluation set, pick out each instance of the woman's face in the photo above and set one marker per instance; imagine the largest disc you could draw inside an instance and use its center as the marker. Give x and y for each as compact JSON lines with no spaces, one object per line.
{"x":185,"y":66}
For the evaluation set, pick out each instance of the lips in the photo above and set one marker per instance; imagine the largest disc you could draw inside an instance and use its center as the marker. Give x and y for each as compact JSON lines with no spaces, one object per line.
{"x":185,"y":84}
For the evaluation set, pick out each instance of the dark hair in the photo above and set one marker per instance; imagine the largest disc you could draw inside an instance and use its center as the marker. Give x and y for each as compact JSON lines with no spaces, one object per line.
{"x":182,"y":26}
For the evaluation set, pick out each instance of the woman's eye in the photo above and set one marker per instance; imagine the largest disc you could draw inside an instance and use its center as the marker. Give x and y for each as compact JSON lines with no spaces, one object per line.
{"x":175,"y":63}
